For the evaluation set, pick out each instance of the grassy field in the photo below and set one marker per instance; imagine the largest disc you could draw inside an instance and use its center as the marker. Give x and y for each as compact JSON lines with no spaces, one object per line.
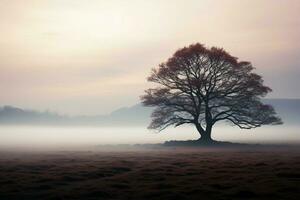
{"x":171,"y":173}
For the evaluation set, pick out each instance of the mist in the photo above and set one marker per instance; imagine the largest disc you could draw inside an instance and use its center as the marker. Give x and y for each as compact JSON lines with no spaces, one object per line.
{"x":22,"y":129}
{"x":32,"y":138}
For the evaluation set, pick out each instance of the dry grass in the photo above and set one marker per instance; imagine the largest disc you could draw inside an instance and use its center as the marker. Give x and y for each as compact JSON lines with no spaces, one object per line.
{"x":151,"y":174}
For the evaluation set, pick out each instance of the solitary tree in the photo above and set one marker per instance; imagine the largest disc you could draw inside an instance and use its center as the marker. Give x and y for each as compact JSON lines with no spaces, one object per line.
{"x":202,"y":86}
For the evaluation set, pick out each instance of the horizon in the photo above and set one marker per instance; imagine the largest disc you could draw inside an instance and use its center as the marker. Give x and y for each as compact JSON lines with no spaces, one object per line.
{"x":105,"y":114}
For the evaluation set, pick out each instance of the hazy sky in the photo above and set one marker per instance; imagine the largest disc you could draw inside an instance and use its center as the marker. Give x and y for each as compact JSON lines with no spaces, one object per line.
{"x":91,"y":57}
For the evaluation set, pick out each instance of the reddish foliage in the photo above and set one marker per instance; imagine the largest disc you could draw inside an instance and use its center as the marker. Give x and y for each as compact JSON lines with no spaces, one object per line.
{"x":202,"y":86}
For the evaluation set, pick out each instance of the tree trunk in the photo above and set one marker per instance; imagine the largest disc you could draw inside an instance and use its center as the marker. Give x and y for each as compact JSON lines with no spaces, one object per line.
{"x":205,"y":135}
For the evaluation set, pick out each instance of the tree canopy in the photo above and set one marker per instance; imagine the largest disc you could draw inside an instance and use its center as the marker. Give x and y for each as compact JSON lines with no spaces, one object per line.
{"x":202,"y":86}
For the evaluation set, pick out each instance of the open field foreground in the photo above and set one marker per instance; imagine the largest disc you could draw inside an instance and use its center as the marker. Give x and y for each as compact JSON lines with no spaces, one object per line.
{"x":152,"y":174}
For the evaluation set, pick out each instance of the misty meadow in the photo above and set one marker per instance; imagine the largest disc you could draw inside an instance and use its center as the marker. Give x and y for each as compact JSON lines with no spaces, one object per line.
{"x":149,"y":99}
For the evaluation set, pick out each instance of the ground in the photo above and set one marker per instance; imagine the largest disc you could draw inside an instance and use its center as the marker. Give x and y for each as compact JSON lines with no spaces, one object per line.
{"x":164,"y":173}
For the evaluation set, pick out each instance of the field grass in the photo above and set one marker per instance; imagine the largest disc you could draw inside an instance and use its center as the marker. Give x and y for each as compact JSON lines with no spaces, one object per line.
{"x":166,"y":173}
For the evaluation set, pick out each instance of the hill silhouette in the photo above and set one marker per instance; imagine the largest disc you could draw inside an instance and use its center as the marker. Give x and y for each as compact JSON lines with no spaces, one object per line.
{"x":137,"y":115}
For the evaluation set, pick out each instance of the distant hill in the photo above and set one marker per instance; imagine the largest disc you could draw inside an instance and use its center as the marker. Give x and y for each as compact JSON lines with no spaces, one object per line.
{"x":137,"y":115}
{"x":13,"y":115}
{"x":287,"y":109}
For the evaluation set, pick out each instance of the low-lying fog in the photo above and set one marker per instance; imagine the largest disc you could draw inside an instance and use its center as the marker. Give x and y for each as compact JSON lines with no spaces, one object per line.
{"x":60,"y":138}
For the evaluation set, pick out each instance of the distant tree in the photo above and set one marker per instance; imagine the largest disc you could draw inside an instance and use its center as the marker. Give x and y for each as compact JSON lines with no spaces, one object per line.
{"x":202,"y":86}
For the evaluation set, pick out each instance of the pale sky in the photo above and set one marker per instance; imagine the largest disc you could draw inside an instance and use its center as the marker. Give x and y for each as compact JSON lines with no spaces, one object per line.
{"x":91,"y":57}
